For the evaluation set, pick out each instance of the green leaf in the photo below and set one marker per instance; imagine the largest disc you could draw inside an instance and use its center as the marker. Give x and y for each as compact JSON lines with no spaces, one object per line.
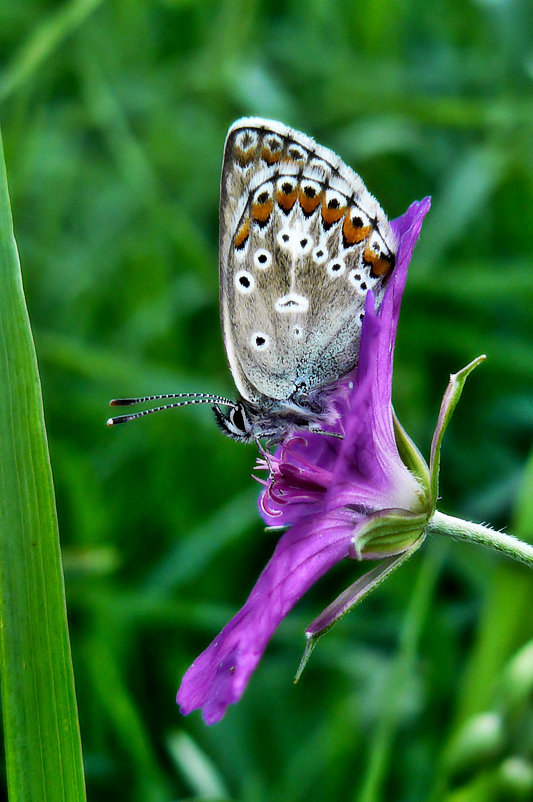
{"x":42,"y":740}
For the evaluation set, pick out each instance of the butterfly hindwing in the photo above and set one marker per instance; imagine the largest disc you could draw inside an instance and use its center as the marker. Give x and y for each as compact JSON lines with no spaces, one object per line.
{"x":301,"y":243}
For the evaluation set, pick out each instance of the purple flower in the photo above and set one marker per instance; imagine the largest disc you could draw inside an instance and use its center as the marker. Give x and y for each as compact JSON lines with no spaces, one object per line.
{"x":351,"y":497}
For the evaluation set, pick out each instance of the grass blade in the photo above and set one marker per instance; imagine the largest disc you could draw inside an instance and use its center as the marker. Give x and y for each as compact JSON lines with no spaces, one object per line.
{"x":42,"y":740}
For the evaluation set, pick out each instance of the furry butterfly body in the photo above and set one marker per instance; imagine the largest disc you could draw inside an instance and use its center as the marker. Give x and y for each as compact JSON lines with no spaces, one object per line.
{"x":302,"y":241}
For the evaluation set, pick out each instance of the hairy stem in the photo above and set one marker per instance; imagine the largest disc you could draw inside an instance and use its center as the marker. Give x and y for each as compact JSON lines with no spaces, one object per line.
{"x":509,"y":545}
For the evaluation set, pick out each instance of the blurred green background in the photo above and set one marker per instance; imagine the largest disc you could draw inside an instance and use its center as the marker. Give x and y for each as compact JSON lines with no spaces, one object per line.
{"x":114,"y":116}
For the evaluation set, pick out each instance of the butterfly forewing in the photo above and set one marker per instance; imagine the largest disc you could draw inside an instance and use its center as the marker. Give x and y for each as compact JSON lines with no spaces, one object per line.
{"x":302,"y":241}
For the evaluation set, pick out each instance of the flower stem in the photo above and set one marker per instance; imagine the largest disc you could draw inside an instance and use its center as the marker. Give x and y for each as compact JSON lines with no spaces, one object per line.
{"x":509,"y":545}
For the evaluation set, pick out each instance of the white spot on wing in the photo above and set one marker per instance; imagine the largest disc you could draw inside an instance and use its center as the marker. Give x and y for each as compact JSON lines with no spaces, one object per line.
{"x":284,"y":238}
{"x":310,"y":188}
{"x":246,"y":139}
{"x":303,"y":244}
{"x":296,"y":153}
{"x":263,"y":193}
{"x":292,"y":303}
{"x":320,"y":254}
{"x":354,"y":277}
{"x":260,"y":341}
{"x":359,"y":218}
{"x":320,"y":167}
{"x":336,"y":267}
{"x":274,"y":143}
{"x":262,"y":259}
{"x":360,"y":282}
{"x":286,"y":184}
{"x":295,"y":240}
{"x":334,"y":200}
{"x":244,"y":282}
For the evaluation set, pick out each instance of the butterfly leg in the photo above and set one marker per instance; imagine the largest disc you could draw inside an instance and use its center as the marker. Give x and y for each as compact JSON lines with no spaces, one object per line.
{"x":313,"y":428}
{"x":266,"y":456}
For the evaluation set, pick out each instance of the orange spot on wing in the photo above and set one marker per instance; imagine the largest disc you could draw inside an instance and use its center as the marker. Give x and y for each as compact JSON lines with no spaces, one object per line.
{"x":286,"y":199}
{"x":309,"y":204}
{"x":353,"y":232}
{"x":291,"y":160}
{"x":244,"y":157}
{"x":270,"y":156}
{"x":333,"y":214}
{"x":262,"y":211}
{"x":242,"y":234}
{"x":380,"y":264}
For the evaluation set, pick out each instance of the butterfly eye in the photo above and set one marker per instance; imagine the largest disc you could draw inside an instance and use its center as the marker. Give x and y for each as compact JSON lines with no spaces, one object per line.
{"x":235,"y":423}
{"x":238,"y":419}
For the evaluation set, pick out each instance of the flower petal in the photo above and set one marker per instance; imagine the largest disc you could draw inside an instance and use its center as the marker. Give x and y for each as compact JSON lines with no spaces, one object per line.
{"x":218,"y":677}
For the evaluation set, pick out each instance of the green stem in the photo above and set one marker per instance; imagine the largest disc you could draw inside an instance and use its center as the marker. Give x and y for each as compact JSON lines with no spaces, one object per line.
{"x":509,"y":545}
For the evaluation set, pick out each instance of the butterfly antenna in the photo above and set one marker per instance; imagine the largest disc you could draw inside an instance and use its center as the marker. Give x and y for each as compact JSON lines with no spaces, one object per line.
{"x":187,"y":398}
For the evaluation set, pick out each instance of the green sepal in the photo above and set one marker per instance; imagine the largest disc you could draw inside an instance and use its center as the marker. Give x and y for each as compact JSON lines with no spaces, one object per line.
{"x":447,"y":408}
{"x":349,"y":599}
{"x":413,"y":460}
{"x":388,"y":532}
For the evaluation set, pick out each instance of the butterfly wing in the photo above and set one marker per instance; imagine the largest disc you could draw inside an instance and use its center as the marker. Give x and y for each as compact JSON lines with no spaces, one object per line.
{"x":301,"y":243}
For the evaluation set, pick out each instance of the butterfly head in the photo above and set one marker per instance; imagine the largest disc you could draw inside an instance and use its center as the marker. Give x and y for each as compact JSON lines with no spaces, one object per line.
{"x":271,"y":420}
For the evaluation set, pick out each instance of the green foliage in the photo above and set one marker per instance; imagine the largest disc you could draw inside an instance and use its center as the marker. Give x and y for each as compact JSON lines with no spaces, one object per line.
{"x":114,"y":119}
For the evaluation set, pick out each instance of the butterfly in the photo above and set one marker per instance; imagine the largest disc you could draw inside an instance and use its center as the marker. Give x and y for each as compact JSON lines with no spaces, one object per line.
{"x":302,"y":241}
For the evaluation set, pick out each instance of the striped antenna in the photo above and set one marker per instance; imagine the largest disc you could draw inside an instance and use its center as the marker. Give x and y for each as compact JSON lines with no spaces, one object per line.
{"x":188,"y":398}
